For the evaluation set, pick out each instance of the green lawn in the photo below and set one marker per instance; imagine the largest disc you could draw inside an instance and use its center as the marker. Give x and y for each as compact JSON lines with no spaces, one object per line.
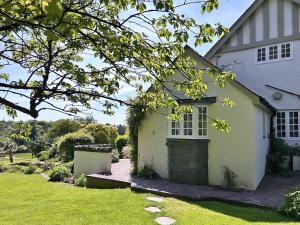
{"x":31,"y":200}
{"x":19,"y":157}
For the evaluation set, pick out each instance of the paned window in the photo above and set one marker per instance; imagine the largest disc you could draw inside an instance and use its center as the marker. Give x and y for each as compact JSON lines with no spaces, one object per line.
{"x":261,"y":54}
{"x":273,"y":52}
{"x":281,"y":125}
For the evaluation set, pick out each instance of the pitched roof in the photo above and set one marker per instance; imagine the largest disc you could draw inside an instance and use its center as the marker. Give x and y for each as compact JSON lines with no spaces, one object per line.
{"x":262,"y":100}
{"x":234,"y":28}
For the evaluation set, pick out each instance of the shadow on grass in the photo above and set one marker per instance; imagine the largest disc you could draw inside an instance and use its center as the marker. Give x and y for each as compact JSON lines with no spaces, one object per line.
{"x":248,"y":214}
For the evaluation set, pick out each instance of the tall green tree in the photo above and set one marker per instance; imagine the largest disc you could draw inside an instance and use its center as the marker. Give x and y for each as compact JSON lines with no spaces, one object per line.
{"x":134,"y":42}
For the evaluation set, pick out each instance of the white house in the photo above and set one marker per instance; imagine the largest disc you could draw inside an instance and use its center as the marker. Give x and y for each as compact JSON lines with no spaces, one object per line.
{"x":191,"y":151}
{"x":263,"y":49}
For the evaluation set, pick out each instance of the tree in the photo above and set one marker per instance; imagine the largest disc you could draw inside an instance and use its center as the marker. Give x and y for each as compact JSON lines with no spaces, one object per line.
{"x":102,"y":134}
{"x":33,"y":133}
{"x":133,"y":42}
{"x":62,"y":127}
{"x":18,"y":132}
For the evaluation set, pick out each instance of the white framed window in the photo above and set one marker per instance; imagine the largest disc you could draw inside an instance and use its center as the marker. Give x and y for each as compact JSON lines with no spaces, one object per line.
{"x":202,"y":121}
{"x":188,"y":124}
{"x":261,"y":54}
{"x":273,"y":52}
{"x":280,"y":122}
{"x":193,"y":126}
{"x":287,"y":125}
{"x":286,"y":50}
{"x":175,"y":128}
{"x":293,"y":124}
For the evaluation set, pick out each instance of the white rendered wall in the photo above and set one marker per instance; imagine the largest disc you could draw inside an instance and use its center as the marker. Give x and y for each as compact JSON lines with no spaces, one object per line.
{"x":91,"y":162}
{"x":282,"y":74}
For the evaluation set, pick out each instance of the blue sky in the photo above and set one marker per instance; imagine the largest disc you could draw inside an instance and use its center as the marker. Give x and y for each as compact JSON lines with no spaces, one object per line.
{"x":229,"y":11}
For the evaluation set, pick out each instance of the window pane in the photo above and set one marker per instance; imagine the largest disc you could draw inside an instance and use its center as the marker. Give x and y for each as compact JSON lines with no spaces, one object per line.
{"x":281,"y":124}
{"x":286,"y":50}
{"x":273,"y":52}
{"x":202,"y":121}
{"x":293,"y":124}
{"x":261,"y":54}
{"x":175,"y":127}
{"x":188,"y":124}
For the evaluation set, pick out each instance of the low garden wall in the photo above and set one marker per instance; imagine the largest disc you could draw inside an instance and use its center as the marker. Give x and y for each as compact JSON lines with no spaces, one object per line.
{"x":90,"y":159}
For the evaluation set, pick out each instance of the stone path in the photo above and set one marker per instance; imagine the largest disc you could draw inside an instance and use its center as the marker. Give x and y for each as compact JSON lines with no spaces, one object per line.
{"x":269,"y":194}
{"x":156,"y":199}
{"x":165,"y":221}
{"x":159,"y":220}
{"x":153,"y":209}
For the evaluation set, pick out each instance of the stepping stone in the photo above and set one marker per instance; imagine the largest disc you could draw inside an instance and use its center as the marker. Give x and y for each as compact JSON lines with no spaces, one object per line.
{"x":165,"y":221}
{"x":156,"y":199}
{"x":153,"y":209}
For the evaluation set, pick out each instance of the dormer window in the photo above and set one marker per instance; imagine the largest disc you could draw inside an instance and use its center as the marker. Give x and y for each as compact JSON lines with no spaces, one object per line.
{"x":274,"y":53}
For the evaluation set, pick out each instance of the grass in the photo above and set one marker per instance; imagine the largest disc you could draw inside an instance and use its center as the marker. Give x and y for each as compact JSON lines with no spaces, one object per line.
{"x":18,"y":157}
{"x":30,"y":199}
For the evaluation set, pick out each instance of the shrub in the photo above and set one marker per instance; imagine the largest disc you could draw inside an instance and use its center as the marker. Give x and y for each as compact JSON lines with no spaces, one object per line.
{"x":67,"y":143}
{"x":59,"y":173}
{"x":21,"y":149}
{"x":3,"y":168}
{"x":48,"y":165}
{"x":115,"y":156}
{"x":43,"y":156}
{"x":147,"y":172}
{"x":35,"y":147}
{"x":14,"y":168}
{"x":70,"y":166}
{"x":80,"y":181}
{"x":62,"y":127}
{"x":134,"y":117}
{"x":30,"y":169}
{"x":291,"y":204}
{"x":102,"y":134}
{"x":279,"y":153}
{"x":53,"y":151}
{"x":120,"y":142}
{"x":229,"y":178}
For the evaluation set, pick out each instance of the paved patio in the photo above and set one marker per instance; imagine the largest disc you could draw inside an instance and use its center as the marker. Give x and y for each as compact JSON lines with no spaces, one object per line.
{"x":269,"y":194}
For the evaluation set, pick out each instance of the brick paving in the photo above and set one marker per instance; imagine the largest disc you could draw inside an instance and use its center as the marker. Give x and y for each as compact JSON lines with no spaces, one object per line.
{"x":269,"y":194}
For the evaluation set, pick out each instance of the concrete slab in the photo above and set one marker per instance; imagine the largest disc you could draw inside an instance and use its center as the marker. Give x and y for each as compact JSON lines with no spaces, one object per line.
{"x":165,"y":221}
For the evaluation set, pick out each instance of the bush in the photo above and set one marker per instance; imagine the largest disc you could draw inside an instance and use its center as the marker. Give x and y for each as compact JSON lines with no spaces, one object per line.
{"x":120,"y":142}
{"x":37,"y":146}
{"x":102,"y":134}
{"x":21,"y":149}
{"x":53,"y":151}
{"x":115,"y":156}
{"x":59,"y":173}
{"x":48,"y":165}
{"x":147,"y":172}
{"x":80,"y":181}
{"x":14,"y":168}
{"x":30,"y":169}
{"x":229,"y":178}
{"x":3,"y":168}
{"x":62,"y":127}
{"x":43,"y":156}
{"x":67,"y":143}
{"x":279,"y":153}
{"x":70,"y":166}
{"x":291,"y":204}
